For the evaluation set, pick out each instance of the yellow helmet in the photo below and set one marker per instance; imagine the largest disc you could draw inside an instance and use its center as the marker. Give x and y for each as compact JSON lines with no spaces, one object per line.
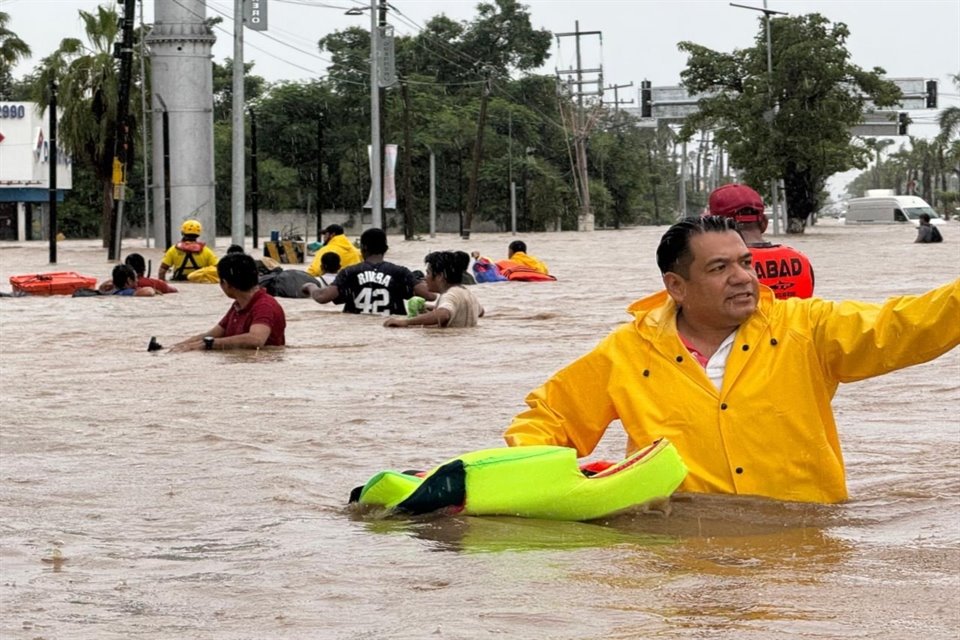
{"x":191,"y":228}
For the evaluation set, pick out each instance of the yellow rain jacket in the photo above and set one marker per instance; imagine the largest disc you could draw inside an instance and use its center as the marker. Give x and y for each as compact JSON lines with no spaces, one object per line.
{"x":770,"y":430}
{"x":340,"y":245}
{"x":529,"y":261}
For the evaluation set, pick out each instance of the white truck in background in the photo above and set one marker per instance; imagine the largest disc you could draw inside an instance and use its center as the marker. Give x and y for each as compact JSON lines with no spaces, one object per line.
{"x":880,"y":206}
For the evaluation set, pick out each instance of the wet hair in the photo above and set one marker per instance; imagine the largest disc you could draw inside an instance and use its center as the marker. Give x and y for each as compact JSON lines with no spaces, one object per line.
{"x":136,"y":261}
{"x":449,"y":264}
{"x":373,"y":242}
{"x":517,"y":245}
{"x":239,"y":271}
{"x":122,"y":274}
{"x":330,"y":262}
{"x":674,"y":253}
{"x":235,"y":248}
{"x":924,"y":217}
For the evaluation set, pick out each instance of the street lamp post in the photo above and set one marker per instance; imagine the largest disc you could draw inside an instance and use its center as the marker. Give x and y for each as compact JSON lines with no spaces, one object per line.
{"x":773,"y":107}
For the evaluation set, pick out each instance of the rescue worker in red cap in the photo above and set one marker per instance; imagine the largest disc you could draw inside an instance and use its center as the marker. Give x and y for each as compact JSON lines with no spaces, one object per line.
{"x":784,"y":269}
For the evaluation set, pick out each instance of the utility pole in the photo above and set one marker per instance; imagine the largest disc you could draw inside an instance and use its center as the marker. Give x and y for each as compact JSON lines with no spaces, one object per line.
{"x":582,"y":123}
{"x":473,"y":187}
{"x":238,"y":197}
{"x":52,"y":175}
{"x":124,"y":51}
{"x":319,"y":176}
{"x":376,"y":177}
{"x":774,"y":198}
{"x":254,"y":181}
{"x":616,"y":95}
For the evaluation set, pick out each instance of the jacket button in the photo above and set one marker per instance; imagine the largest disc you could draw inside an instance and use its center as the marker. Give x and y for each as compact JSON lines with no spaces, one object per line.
{"x":739,"y":470}
{"x":646,"y":373}
{"x":723,"y":406}
{"x":773,"y":342}
{"x":679,"y":358}
{"x":745,"y":347}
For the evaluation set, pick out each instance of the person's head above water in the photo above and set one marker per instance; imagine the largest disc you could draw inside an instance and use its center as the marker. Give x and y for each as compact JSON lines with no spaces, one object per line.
{"x":373,"y":242}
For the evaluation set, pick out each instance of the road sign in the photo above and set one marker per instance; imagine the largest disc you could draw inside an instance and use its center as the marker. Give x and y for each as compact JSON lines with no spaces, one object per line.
{"x":881,"y":124}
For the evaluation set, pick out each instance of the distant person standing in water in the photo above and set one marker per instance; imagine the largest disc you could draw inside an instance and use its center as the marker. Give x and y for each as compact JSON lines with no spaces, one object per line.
{"x":926,"y":232}
{"x":784,"y":269}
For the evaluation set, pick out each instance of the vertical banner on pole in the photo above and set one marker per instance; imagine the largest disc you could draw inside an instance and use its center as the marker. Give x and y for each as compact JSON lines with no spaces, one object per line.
{"x":389,"y":178}
{"x":255,"y":15}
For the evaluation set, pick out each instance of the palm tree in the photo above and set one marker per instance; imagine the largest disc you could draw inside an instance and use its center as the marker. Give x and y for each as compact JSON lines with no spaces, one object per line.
{"x":87,"y":79}
{"x":12,"y":50}
{"x":949,"y":119}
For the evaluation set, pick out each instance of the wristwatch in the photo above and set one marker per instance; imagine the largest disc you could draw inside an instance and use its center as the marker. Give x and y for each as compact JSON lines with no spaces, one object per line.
{"x":208,"y":343}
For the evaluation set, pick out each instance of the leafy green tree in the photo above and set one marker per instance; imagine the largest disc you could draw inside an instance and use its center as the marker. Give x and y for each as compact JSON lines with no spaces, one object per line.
{"x":87,"y":77}
{"x":819,"y":94}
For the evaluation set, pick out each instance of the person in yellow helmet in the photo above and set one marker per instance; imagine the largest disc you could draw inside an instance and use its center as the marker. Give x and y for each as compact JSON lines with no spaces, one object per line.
{"x":334,"y":242}
{"x":738,"y":380}
{"x":188,"y":255}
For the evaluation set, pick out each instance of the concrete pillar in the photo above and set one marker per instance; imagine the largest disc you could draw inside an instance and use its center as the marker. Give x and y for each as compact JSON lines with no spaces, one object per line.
{"x":182,"y":76}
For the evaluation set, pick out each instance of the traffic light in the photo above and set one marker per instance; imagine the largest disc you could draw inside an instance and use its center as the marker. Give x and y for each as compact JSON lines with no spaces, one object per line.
{"x":902,"y":121}
{"x":931,"y":94}
{"x":646,"y":97}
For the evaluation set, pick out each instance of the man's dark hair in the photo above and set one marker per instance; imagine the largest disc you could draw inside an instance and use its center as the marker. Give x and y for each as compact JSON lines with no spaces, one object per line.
{"x":674,"y":253}
{"x":373,"y":242}
{"x":924,"y":217}
{"x":123,"y":273}
{"x":239,"y":271}
{"x":235,"y":248}
{"x":449,"y":264}
{"x":330,"y":262}
{"x":517,"y":245}
{"x":136,"y":261}
{"x":334,"y":229}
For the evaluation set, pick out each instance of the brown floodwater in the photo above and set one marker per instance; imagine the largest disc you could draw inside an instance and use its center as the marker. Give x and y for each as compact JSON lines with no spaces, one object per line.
{"x":203,"y":495}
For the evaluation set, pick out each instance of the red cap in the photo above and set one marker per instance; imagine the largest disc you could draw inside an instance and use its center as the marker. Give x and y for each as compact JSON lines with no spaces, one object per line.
{"x":737,"y":201}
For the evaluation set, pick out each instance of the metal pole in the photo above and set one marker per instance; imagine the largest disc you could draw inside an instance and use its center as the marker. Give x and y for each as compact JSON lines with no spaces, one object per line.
{"x":376,"y":191}
{"x":433,"y":195}
{"x":773,"y":183}
{"x":52,"y":222}
{"x":147,"y":231}
{"x":513,"y":207}
{"x":238,"y":199}
{"x":167,"y":199}
{"x":254,"y":184}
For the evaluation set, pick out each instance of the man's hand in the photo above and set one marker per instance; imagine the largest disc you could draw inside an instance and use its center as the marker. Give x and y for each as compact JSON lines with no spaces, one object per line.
{"x":308,"y":288}
{"x":395,"y":321}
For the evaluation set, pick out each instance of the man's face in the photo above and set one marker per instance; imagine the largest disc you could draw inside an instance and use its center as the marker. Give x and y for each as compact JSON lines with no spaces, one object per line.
{"x":721,"y":289}
{"x":326,"y":237}
{"x":432,"y":280}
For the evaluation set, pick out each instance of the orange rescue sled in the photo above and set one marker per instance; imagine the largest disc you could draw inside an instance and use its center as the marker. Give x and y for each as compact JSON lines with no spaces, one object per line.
{"x":58,"y":283}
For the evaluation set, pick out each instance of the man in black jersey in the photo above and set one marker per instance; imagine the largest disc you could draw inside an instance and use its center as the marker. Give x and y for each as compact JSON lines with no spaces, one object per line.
{"x":374,"y":286}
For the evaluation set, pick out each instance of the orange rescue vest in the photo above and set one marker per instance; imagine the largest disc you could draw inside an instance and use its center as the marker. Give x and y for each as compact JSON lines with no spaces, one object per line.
{"x":785,"y":270}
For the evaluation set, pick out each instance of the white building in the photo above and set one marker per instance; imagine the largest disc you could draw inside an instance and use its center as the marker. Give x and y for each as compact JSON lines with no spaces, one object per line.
{"x":25,"y":171}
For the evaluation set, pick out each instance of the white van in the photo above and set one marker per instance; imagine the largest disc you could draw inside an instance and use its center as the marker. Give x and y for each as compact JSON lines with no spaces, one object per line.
{"x":883,"y":209}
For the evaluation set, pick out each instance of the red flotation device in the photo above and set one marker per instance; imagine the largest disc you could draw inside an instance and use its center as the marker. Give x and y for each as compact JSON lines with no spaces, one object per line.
{"x":521,"y":272}
{"x":57,"y":283}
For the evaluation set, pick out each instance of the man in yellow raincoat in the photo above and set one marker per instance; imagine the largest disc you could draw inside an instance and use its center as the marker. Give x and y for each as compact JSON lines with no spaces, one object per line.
{"x":335,"y":242}
{"x":702,"y":362}
{"x":517,"y":252}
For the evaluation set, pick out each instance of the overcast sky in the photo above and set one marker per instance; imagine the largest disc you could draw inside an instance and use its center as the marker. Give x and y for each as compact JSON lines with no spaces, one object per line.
{"x":907,"y":38}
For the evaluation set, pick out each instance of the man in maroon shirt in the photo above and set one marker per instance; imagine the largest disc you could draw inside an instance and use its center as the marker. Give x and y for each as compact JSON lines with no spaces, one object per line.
{"x":254,"y":319}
